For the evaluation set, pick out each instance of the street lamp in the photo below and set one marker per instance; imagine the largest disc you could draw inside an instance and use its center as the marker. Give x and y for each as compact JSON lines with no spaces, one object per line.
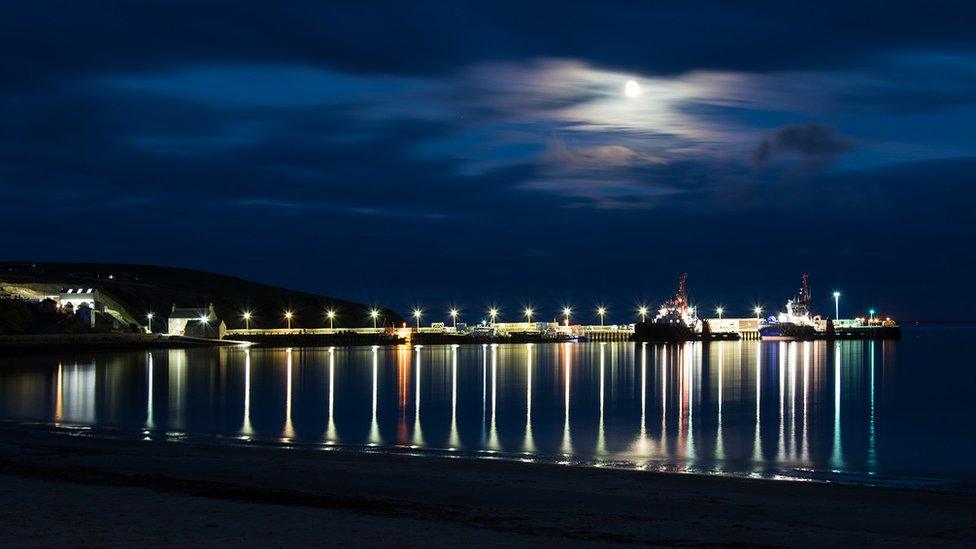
{"x":528,"y":313}
{"x":247,"y":320}
{"x":374,"y":314}
{"x":493,"y":314}
{"x":566,"y":312}
{"x":149,"y":316}
{"x":642,"y":311}
{"x":836,"y":305}
{"x":758,"y":310}
{"x":602,"y":311}
{"x":871,"y":312}
{"x":454,"y":315}
{"x":288,"y":315}
{"x":417,"y":313}
{"x":330,"y":314}
{"x":719,"y":311}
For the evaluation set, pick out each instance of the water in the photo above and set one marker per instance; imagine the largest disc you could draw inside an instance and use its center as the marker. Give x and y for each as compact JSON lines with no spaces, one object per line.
{"x":851,"y":410}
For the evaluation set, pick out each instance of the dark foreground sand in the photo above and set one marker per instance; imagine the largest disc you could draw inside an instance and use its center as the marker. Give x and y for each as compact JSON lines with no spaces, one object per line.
{"x":78,"y":491}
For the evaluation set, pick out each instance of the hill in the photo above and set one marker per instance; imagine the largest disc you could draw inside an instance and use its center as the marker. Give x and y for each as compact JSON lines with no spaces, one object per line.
{"x":137,"y":289}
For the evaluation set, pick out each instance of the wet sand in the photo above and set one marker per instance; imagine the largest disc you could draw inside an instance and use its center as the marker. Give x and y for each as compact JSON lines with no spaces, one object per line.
{"x":74,"y":490}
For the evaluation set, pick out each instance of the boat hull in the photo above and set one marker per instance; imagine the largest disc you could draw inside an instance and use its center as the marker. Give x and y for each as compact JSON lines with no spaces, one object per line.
{"x":785,"y":331}
{"x":663,"y":332}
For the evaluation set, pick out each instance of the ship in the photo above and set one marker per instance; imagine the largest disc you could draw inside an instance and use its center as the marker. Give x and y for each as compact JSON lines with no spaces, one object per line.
{"x":675,"y":320}
{"x":794,"y":324}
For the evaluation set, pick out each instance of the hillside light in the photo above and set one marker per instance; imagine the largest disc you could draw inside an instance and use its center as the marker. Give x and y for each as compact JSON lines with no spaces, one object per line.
{"x":374,"y":314}
{"x":836,"y":305}
{"x":417,"y":313}
{"x":602,"y":311}
{"x":247,"y":320}
{"x":528,"y":313}
{"x":719,"y":311}
{"x":288,"y":315}
{"x":642,"y":311}
{"x":566,"y":312}
{"x":758,"y":310}
{"x":493,"y":314}
{"x":330,"y":314}
{"x":454,"y":316}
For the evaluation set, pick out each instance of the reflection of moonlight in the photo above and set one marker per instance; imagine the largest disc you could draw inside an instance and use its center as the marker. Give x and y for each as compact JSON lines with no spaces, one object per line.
{"x":632,"y":88}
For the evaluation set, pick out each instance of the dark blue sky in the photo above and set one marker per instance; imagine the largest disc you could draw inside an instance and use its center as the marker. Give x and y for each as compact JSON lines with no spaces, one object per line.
{"x":436,"y":153}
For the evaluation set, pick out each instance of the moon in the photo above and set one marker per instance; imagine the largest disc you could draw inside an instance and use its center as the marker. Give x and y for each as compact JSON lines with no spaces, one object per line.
{"x":632,"y":89}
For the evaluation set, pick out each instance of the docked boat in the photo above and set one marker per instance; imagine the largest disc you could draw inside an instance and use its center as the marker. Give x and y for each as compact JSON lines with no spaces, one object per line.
{"x":675,"y":321}
{"x":794,"y":324}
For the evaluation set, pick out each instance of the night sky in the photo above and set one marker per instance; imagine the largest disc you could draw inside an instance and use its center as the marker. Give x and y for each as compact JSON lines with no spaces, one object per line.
{"x":438,"y":153}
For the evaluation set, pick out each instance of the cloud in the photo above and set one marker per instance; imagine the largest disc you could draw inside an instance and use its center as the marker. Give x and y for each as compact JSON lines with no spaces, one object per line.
{"x":815,"y":145}
{"x":602,"y":156}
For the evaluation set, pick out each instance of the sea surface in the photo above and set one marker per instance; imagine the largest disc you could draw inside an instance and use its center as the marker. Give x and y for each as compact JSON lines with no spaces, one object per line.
{"x":857,"y":411}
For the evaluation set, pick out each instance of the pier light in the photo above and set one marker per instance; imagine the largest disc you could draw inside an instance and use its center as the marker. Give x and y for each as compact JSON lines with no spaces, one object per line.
{"x":247,"y":320}
{"x":836,"y":305}
{"x":417,"y":313}
{"x":758,"y":310}
{"x":288,"y":315}
{"x":719,"y":311}
{"x":330,"y":314}
{"x":528,"y":313}
{"x":566,"y":312}
{"x":493,"y":314}
{"x":602,"y":311}
{"x":149,"y":317}
{"x":642,"y":311}
{"x":374,"y":314}
{"x":454,"y":316}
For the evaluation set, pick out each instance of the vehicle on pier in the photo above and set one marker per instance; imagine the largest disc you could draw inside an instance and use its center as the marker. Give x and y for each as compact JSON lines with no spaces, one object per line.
{"x":794,"y":324}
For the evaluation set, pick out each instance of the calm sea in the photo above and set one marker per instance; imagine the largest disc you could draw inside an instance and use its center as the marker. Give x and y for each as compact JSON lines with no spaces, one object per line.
{"x":859,"y":411}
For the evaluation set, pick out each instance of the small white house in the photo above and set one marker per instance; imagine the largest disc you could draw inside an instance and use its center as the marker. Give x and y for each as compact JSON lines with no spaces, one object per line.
{"x":180,"y":317}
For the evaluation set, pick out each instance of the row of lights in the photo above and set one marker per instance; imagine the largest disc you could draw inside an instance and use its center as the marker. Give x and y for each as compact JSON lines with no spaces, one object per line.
{"x":493,"y":313}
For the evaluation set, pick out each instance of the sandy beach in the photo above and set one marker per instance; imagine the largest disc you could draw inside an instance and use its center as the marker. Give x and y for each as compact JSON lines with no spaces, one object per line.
{"x":60,"y":488}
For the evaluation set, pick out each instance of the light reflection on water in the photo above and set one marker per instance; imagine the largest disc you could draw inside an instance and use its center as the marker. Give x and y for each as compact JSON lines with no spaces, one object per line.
{"x":842,"y":409}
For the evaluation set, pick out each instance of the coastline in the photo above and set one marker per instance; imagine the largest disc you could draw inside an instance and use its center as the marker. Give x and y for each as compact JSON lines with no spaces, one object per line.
{"x":102,"y":342}
{"x":110,"y":491}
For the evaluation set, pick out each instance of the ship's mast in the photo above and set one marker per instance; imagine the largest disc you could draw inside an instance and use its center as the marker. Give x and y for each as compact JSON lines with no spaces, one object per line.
{"x":805,"y":290}
{"x":683,"y":290}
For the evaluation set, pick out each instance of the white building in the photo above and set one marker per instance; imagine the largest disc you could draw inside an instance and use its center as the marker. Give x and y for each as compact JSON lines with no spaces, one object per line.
{"x":180,"y":317}
{"x":77,"y":296}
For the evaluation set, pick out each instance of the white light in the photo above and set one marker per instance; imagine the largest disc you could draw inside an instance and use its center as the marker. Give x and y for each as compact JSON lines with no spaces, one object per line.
{"x":632,"y":89}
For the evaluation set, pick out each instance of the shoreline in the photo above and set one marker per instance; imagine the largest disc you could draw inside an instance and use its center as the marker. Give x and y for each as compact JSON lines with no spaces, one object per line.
{"x":120,"y":491}
{"x":103,"y":342}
